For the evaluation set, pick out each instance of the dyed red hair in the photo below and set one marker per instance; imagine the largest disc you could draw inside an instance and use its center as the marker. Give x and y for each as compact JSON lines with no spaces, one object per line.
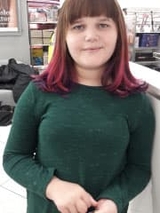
{"x":59,"y":74}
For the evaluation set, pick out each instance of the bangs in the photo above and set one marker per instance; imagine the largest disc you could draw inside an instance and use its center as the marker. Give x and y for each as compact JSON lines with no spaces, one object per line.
{"x":83,"y":8}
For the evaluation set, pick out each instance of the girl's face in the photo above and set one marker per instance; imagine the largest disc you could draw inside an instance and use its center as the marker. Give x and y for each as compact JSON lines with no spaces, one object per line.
{"x":91,"y":42}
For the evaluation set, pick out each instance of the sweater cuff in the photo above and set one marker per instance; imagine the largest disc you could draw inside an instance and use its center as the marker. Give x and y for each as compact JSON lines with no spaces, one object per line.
{"x":45,"y":182}
{"x":116,"y":197}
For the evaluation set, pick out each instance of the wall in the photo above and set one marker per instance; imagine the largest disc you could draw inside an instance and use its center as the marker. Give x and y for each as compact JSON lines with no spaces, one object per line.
{"x":17,"y":46}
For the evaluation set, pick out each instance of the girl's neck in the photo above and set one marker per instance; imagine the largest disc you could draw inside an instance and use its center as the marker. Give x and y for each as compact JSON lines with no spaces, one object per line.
{"x":89,"y":77}
{"x":89,"y":81}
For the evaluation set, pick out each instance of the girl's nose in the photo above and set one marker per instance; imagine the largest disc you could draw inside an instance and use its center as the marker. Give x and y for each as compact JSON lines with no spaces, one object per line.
{"x":91,"y":35}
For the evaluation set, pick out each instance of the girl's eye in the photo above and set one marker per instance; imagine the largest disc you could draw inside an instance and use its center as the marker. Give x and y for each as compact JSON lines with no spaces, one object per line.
{"x":78,"y":27}
{"x":103,"y":26}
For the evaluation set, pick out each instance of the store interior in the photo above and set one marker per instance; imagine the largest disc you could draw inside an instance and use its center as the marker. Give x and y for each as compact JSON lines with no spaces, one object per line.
{"x":29,"y":44}
{"x":142,"y":28}
{"x":37,"y":21}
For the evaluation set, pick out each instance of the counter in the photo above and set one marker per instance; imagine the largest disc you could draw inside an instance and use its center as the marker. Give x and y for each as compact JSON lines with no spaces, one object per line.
{"x":148,"y":200}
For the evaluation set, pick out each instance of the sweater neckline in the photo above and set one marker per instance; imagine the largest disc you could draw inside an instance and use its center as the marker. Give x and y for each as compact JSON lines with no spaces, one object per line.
{"x":84,"y":86}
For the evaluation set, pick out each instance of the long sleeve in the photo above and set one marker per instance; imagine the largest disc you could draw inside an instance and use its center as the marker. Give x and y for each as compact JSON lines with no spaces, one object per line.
{"x":136,"y":174}
{"x":19,"y":160}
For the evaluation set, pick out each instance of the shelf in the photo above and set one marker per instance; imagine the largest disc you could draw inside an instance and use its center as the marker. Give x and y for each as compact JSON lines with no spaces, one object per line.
{"x":43,"y":22}
{"x":40,"y":68}
{"x":146,"y":48}
{"x":42,"y":25}
{"x":42,"y":3}
{"x":151,"y":32}
{"x":156,"y":55}
{"x":42,"y":16}
{"x":38,"y":45}
{"x":147,"y":62}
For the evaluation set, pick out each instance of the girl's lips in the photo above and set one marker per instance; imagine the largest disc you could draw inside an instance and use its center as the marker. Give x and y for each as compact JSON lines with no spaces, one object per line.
{"x":92,"y":48}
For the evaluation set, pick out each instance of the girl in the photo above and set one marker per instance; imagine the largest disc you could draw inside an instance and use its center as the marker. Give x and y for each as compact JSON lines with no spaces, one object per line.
{"x":82,"y":131}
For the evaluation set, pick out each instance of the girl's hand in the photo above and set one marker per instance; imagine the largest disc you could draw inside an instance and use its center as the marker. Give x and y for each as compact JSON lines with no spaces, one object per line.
{"x":106,"y":206}
{"x":69,"y":197}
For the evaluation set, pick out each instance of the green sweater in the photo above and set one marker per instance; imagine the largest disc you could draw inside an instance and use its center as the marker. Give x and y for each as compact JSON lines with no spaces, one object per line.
{"x":90,"y":137}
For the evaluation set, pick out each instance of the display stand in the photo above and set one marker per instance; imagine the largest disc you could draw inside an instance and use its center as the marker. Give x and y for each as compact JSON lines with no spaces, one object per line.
{"x":143,"y":28}
{"x":42,"y":19}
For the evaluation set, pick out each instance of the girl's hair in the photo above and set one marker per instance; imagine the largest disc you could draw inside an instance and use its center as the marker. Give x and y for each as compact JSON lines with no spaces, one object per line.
{"x":59,"y":74}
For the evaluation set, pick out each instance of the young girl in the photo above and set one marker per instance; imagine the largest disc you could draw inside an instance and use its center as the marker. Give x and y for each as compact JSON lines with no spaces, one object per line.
{"x":82,"y":131}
